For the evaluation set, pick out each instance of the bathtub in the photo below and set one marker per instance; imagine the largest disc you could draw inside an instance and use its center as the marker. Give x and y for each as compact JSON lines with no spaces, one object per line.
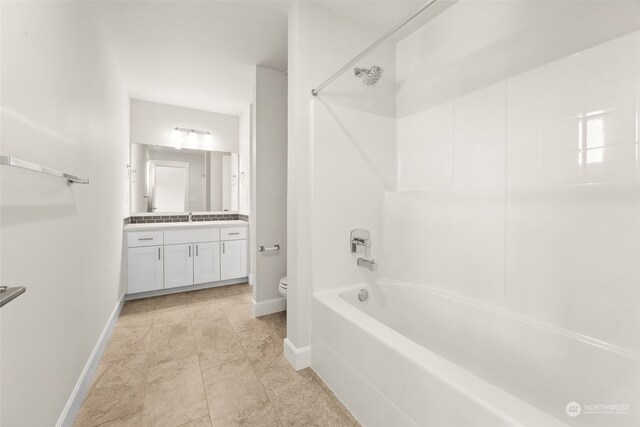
{"x":411,"y":355}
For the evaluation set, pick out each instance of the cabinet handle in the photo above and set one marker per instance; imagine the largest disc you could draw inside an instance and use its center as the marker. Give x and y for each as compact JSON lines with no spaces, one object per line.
{"x":145,"y":238}
{"x":197,"y":250}
{"x":158,"y":254}
{"x":234,"y":234}
{"x":222,"y":247}
{"x":189,"y":251}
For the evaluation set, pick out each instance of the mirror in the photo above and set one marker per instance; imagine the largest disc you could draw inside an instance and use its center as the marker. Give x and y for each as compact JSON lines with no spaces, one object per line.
{"x":170,"y":180}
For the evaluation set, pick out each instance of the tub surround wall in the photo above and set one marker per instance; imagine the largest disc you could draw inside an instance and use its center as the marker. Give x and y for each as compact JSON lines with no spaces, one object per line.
{"x":353,"y":166}
{"x":531,"y":197}
{"x":63,"y":106}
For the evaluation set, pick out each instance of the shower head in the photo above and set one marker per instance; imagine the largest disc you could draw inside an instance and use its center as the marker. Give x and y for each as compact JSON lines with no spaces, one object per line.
{"x":371,"y":76}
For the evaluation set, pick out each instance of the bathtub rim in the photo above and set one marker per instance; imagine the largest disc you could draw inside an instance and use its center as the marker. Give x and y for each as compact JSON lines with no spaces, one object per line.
{"x":585,"y":339}
{"x":500,"y":403}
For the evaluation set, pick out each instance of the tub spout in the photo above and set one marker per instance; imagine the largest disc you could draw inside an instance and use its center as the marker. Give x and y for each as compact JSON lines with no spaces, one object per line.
{"x":369,"y":264}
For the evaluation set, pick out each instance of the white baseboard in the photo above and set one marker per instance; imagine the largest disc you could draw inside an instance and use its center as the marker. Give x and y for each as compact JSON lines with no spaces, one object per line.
{"x":299,"y":358}
{"x":263,"y":308}
{"x":84,"y":382}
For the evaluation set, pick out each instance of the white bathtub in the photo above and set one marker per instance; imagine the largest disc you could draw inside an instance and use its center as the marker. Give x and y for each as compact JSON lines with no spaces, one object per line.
{"x":416,"y":356}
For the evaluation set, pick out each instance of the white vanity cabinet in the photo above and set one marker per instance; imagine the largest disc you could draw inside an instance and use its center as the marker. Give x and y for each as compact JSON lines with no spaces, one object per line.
{"x":206,"y":263}
{"x":176,"y":255}
{"x":178,"y":266}
{"x":145,"y":264}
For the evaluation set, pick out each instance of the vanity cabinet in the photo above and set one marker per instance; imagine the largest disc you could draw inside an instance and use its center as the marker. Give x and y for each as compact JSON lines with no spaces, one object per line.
{"x":206,"y":263}
{"x":177,"y":257}
{"x":178,"y":266}
{"x":145,"y":269}
{"x":233,"y":260}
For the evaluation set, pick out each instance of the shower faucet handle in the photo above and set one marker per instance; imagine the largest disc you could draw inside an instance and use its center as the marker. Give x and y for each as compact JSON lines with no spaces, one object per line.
{"x":360,"y":237}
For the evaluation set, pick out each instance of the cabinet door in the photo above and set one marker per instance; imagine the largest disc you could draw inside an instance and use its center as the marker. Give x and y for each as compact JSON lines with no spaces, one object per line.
{"x":144,"y":269}
{"x":233,"y":260}
{"x":206,"y":263}
{"x":178,"y":265}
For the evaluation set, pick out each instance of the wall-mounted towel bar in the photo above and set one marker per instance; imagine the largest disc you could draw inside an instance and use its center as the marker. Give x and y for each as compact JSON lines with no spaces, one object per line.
{"x":9,"y":294}
{"x":12,"y":161}
{"x":271,"y":249}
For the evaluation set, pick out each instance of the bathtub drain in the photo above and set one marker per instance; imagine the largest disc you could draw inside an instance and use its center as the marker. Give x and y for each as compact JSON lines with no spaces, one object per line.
{"x":363,"y":295}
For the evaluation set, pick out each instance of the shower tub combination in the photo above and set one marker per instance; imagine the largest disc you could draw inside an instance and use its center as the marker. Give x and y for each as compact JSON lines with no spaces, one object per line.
{"x":410,"y":355}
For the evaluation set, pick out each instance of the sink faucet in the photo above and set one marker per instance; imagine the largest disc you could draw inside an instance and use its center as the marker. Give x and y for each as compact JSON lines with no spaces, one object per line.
{"x":190,"y":216}
{"x":362,"y":238}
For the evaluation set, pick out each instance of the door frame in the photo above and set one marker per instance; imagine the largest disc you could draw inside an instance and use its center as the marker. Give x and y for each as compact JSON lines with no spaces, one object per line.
{"x":152,"y":181}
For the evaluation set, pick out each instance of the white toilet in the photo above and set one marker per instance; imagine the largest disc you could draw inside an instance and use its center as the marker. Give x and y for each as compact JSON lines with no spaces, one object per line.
{"x":282,"y":287}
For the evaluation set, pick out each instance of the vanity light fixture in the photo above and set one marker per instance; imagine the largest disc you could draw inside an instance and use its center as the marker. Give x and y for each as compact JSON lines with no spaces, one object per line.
{"x":196,"y":131}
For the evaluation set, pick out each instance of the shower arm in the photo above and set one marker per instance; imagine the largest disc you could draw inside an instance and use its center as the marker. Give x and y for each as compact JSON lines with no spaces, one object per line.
{"x":375,"y":44}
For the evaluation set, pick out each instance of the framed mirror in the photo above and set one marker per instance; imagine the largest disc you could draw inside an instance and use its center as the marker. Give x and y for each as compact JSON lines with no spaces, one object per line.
{"x":174,"y":180}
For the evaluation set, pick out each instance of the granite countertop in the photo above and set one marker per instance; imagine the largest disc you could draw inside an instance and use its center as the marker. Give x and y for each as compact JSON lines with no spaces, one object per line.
{"x":196,"y":224}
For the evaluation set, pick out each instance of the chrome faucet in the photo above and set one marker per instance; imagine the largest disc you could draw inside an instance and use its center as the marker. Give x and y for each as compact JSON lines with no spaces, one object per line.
{"x":190,"y":216}
{"x":362,"y":238}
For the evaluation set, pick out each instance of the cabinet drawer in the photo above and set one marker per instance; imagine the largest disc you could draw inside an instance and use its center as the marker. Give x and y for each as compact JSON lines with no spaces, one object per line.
{"x":233,"y":233}
{"x":196,"y":235}
{"x":144,"y":238}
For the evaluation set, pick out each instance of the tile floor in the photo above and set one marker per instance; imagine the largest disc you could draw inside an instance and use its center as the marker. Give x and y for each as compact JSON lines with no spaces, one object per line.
{"x":201,"y":359}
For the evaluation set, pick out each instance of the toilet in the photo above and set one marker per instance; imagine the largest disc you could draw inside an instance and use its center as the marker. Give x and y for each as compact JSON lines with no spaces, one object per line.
{"x":282,"y":287}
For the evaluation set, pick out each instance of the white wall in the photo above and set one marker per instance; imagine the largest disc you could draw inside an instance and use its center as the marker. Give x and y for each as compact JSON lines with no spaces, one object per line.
{"x":524,"y":193}
{"x":63,"y":106}
{"x":244,"y":154}
{"x":153,"y":124}
{"x":319,"y":44}
{"x":269,"y":183}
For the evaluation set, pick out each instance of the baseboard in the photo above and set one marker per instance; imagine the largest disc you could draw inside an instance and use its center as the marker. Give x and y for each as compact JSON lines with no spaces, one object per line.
{"x":263,"y":308}
{"x":84,"y":382}
{"x":299,"y":358}
{"x":180,"y":289}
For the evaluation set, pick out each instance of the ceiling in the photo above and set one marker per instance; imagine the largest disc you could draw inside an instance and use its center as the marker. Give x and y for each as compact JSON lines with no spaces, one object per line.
{"x":201,"y":54}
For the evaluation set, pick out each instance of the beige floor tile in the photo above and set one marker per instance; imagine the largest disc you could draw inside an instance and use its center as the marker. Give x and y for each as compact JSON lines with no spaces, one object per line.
{"x":117,"y":393}
{"x":171,"y":316}
{"x":172,"y":301}
{"x":136,"y":312}
{"x":236,"y":397}
{"x":132,"y":420}
{"x":300,"y":401}
{"x":241,"y":317}
{"x":207,"y":310}
{"x":174,"y":394}
{"x":213,"y":294}
{"x":128,"y":341}
{"x":200,"y":422}
{"x":278,"y":321}
{"x":216,"y":342}
{"x":171,"y":343}
{"x":264,"y":348}
{"x":245,"y":288}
